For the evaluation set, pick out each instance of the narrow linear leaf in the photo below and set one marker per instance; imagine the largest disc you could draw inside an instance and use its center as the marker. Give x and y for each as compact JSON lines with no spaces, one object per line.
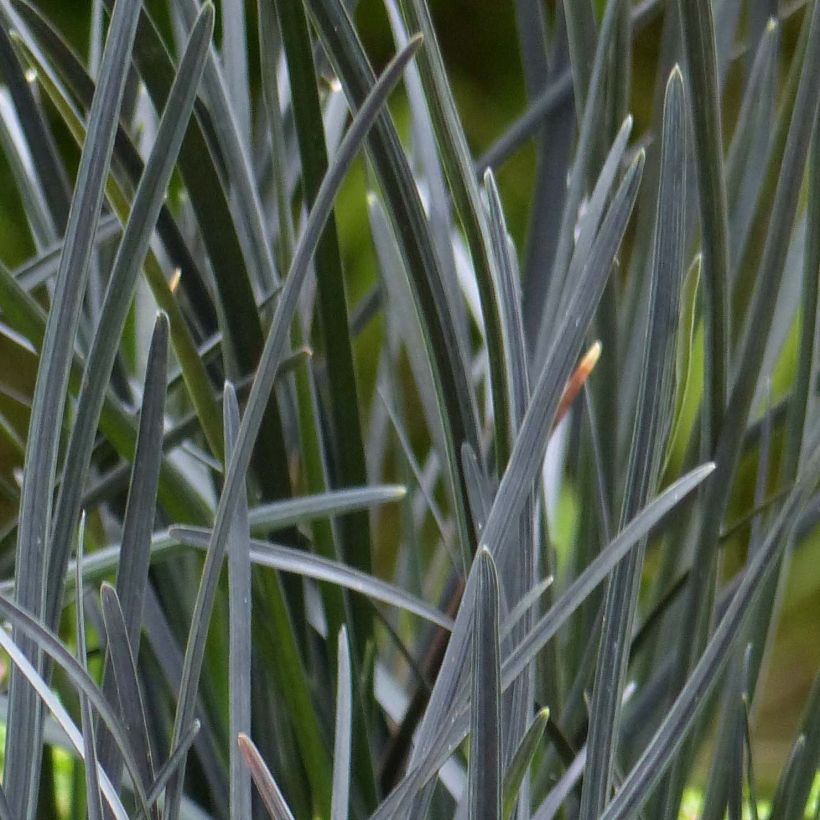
{"x":22,"y":761}
{"x":649,"y":439}
{"x":92,"y":783}
{"x":268,"y":790}
{"x":484,"y":781}
{"x":344,"y":726}
{"x":71,"y":731}
{"x":239,"y":627}
{"x":638,"y":784}
{"x":287,"y":559}
{"x":251,"y":421}
{"x":49,"y":644}
{"x":124,"y":668}
{"x":520,"y":764}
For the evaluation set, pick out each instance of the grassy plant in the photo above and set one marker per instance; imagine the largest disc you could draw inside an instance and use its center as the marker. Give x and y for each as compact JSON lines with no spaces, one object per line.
{"x":409,"y":623}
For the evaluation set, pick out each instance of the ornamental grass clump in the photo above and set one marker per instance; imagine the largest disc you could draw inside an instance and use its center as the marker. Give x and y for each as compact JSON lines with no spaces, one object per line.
{"x":484,"y":528}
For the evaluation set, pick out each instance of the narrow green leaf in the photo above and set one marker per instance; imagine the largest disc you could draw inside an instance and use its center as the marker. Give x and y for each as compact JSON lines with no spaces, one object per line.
{"x":268,"y":790}
{"x":44,"y":266}
{"x":170,"y":766}
{"x":593,"y":90}
{"x":698,"y":33}
{"x":251,"y":222}
{"x":50,"y":645}
{"x":45,"y":159}
{"x":287,"y":559}
{"x":339,"y":808}
{"x":122,"y":282}
{"x":697,"y":611}
{"x":455,"y":399}
{"x":647,"y":451}
{"x":520,"y":764}
{"x":92,"y":783}
{"x":797,"y":778}
{"x":120,"y":651}
{"x":484,"y":781}
{"x":239,"y":627}
{"x":672,"y":732}
{"x":333,"y":332}
{"x":71,"y":731}
{"x":251,"y":421}
{"x":22,"y":761}
{"x":457,"y":163}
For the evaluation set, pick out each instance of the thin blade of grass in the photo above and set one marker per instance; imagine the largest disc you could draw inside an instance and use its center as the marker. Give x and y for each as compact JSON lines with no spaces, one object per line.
{"x":239,"y":620}
{"x":22,"y":762}
{"x":484,"y":781}
{"x":62,"y":717}
{"x":268,"y":790}
{"x":750,"y":142}
{"x":245,"y":199}
{"x":697,"y":608}
{"x":698,"y":33}
{"x":120,"y":649}
{"x":797,"y":778}
{"x":170,"y":766}
{"x":45,"y":159}
{"x":50,"y":645}
{"x":530,"y":446}
{"x":92,"y":783}
{"x":453,"y":395}
{"x":333,"y":333}
{"x":251,"y":421}
{"x":647,"y":451}
{"x":637,"y":786}
{"x":458,"y":167}
{"x":344,"y":729}
{"x":142,"y":219}
{"x":519,"y":765}
{"x":44,"y":266}
{"x":287,"y":559}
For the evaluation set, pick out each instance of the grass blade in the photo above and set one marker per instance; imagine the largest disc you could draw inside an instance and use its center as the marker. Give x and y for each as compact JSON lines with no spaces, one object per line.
{"x":50,"y":645}
{"x":287,"y":559}
{"x":770,"y":272}
{"x":45,"y":159}
{"x":239,"y":619}
{"x":455,"y":400}
{"x":92,"y":783}
{"x":334,"y":336}
{"x":142,"y":219}
{"x":170,"y":766}
{"x":344,"y":724}
{"x":126,"y":685}
{"x":458,"y":167}
{"x":517,"y":770}
{"x":268,"y":790}
{"x":648,"y":448}
{"x":530,"y":445}
{"x":25,"y":725}
{"x":485,"y":718}
{"x":53,"y":704}
{"x":251,"y":421}
{"x":637,"y":786}
{"x":697,"y":28}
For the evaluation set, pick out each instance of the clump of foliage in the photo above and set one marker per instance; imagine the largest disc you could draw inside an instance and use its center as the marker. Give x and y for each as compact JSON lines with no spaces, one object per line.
{"x":504,"y":537}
